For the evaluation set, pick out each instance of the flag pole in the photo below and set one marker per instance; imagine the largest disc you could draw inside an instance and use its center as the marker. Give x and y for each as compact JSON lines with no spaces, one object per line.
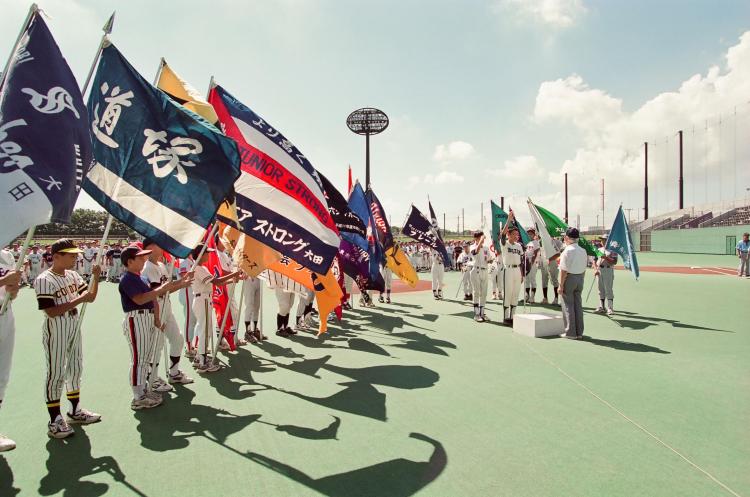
{"x":32,"y":11}
{"x":227,"y":312}
{"x":107,"y":28}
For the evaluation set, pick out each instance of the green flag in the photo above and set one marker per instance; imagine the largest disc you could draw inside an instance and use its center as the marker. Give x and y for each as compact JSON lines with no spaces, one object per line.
{"x":556,"y":227}
{"x":499,"y":218}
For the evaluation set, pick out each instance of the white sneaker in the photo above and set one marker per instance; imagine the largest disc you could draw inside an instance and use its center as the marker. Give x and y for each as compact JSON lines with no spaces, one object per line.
{"x":555,"y":302}
{"x":155,"y":396}
{"x":6,"y":444}
{"x":478,"y":318}
{"x":83,"y":417}
{"x":190,"y":353}
{"x":143,"y":402}
{"x":161,"y":386}
{"x":180,"y":378}
{"x":545,"y":301}
{"x":599,"y":310}
{"x":610,"y":311}
{"x":59,"y":428}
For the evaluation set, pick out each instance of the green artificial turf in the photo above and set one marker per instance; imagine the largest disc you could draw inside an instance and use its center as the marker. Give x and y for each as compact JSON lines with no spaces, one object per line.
{"x":415,"y":397}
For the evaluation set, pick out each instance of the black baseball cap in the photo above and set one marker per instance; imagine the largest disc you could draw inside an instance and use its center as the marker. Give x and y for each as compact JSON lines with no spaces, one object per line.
{"x":65,"y":246}
{"x":149,"y":241}
{"x":572,"y":233}
{"x":531,"y":230}
{"x":199,"y":248}
{"x":131,"y":252}
{"x":477,"y":234}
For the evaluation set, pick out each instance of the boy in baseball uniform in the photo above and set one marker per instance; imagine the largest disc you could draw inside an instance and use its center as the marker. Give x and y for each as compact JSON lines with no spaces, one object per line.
{"x":186,"y":299}
{"x":156,"y":273}
{"x":513,"y":255}
{"x":388,"y":280}
{"x":59,"y":290}
{"x":141,"y":324}
{"x":203,"y":308}
{"x":604,"y":268}
{"x":34,"y":263}
{"x":10,"y":281}
{"x":253,"y":333}
{"x":438,"y":273}
{"x":479,"y":277}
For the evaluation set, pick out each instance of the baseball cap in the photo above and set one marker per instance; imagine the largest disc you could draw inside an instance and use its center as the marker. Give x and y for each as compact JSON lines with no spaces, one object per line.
{"x":131,"y":252}
{"x":199,"y":248}
{"x":531,"y":230}
{"x":572,"y":233}
{"x":602,"y":237}
{"x":149,"y":241}
{"x":477,"y":234}
{"x":65,"y":246}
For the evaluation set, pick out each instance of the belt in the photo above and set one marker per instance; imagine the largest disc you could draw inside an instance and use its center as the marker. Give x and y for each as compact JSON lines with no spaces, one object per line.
{"x":512,"y":265}
{"x":73,"y":312}
{"x":142,"y":311}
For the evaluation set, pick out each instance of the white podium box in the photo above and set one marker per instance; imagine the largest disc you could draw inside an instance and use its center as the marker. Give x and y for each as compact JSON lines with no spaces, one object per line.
{"x":538,"y":325}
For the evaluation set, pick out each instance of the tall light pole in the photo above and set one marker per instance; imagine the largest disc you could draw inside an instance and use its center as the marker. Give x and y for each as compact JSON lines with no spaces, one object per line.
{"x":367,"y":121}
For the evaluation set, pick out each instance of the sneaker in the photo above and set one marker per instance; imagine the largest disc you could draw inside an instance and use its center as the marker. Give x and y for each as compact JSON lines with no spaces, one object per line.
{"x":599,"y":310}
{"x":381,"y":300}
{"x":223,"y":345}
{"x":282,"y":333}
{"x":346,"y":306}
{"x":59,"y":428}
{"x":545,"y":301}
{"x":180,"y":378}
{"x":250,"y":337}
{"x":240,"y":342}
{"x":190,"y":353}
{"x":208,"y":367}
{"x":485,"y":319}
{"x":155,"y":396}
{"x":290,"y":331}
{"x":143,"y":402}
{"x":478,"y":318}
{"x":388,"y":300}
{"x":159,"y":385}
{"x":6,"y":444}
{"x":610,"y":311}
{"x":301,"y":326}
{"x":83,"y":417}
{"x":555,"y":302}
{"x":259,"y":335}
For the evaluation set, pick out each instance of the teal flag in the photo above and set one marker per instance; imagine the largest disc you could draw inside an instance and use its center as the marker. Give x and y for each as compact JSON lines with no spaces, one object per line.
{"x":499,"y":218}
{"x":619,"y":242}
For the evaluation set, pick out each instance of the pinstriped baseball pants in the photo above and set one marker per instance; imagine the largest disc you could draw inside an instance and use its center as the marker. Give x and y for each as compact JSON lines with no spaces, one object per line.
{"x":141,"y":337}
{"x":204,"y":319}
{"x":63,"y":354}
{"x":7,"y":339}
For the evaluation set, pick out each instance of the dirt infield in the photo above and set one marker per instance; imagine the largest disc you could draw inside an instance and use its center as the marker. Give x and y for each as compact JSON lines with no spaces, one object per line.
{"x":688,"y":270}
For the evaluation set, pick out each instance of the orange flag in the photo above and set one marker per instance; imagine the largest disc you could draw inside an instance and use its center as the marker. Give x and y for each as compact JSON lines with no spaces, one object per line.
{"x":326,"y":287}
{"x":250,"y":255}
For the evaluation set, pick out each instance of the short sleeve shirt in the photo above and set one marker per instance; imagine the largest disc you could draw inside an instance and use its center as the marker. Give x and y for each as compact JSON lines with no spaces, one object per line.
{"x":132,"y":284}
{"x":743,"y":246}
{"x":7,"y":264}
{"x":202,"y":282}
{"x":573,"y":259}
{"x":53,"y":289}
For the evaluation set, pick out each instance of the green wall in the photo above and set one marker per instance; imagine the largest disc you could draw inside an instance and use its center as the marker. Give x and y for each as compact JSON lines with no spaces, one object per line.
{"x":696,"y":241}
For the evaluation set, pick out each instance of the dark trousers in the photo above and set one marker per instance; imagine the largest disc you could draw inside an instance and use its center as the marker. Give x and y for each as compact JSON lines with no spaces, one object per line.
{"x":572,"y":306}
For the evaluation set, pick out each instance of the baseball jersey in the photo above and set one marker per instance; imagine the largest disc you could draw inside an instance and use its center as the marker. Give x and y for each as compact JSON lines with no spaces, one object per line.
{"x":437,"y":257}
{"x":512,"y":253}
{"x":7,"y":264}
{"x":481,"y":256}
{"x":612,"y":255}
{"x":225,"y":261}
{"x":466,"y":260}
{"x":532,"y":247}
{"x":202,"y":282}
{"x":53,"y":289}
{"x":89,"y":254}
{"x":156,"y":275}
{"x":35,"y":260}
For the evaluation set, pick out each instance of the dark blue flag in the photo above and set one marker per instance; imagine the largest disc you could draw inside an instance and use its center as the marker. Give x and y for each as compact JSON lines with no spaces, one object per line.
{"x":385,"y":237}
{"x":160,"y":168}
{"x":420,"y":229}
{"x":619,"y":242}
{"x":359,"y":205}
{"x":45,"y":144}
{"x":434,"y":223}
{"x":350,"y":226}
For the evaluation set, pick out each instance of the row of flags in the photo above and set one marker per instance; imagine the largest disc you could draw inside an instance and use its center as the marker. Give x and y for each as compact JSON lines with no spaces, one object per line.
{"x":169,"y":163}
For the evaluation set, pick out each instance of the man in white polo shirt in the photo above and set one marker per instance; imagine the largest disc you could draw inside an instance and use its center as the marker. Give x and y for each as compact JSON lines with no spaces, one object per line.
{"x":572,"y":270}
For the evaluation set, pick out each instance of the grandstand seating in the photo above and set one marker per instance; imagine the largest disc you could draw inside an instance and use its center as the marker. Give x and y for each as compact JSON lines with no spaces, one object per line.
{"x":734,"y":217}
{"x":695,"y":221}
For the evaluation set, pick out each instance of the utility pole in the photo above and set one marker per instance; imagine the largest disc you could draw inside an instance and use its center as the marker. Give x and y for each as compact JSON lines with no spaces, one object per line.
{"x":602,"y":201}
{"x":681,"y":184}
{"x":463,"y":221}
{"x":481,"y":214}
{"x":443,"y":223}
{"x":645,"y":181}
{"x":566,"y":198}
{"x":502,"y":203}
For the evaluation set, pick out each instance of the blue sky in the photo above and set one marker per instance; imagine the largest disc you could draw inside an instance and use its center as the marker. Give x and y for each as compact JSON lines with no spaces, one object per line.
{"x":486,"y":98}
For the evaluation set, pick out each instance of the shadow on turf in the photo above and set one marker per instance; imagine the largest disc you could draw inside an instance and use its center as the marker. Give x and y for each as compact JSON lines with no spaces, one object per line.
{"x":6,"y":480}
{"x":395,"y":478}
{"x":70,"y":462}
{"x":617,"y":344}
{"x":641,"y":322}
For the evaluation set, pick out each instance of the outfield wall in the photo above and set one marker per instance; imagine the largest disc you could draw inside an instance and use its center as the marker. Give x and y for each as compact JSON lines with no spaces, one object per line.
{"x":713,"y":240}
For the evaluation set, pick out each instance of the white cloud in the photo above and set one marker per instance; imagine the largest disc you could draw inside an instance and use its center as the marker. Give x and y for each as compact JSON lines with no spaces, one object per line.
{"x":612,"y":138}
{"x":454,"y":151}
{"x":442,"y":178}
{"x":523,"y":167}
{"x":554,"y":13}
